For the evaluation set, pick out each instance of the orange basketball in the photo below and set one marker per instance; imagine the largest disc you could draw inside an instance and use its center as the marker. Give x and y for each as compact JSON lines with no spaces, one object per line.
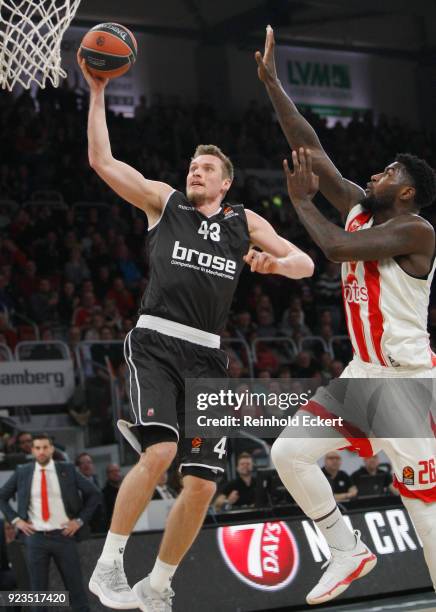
{"x":109,"y":50}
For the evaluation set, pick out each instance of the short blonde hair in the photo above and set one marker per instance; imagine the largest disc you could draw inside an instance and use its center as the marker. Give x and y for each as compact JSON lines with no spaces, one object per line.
{"x":211,"y":149}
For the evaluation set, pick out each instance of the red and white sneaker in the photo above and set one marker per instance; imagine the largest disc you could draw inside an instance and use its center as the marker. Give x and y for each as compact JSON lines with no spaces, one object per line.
{"x":343,"y":567}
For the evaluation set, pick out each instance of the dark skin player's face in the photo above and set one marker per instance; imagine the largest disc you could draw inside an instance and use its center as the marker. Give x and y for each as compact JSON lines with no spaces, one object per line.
{"x":386,"y":187}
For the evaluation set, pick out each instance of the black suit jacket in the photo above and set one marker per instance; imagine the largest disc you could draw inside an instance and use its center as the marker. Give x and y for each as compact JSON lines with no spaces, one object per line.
{"x":79,"y":495}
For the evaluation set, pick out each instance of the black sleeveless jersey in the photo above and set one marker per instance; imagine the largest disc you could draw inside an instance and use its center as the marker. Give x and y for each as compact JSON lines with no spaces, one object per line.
{"x":195,"y":262}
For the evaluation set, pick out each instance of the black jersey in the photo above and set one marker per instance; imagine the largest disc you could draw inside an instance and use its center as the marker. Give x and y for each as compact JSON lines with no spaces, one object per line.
{"x":195,"y":262}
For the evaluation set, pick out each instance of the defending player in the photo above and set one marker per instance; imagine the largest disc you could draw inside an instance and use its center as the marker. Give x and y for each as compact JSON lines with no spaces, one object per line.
{"x":197,"y":251}
{"x":388,"y":255}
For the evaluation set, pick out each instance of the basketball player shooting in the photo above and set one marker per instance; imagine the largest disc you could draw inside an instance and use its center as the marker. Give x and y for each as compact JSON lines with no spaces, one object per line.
{"x":197,"y":251}
{"x":388,"y":259}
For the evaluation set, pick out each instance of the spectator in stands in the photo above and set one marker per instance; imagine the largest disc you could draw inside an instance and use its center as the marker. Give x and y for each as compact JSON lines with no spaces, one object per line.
{"x":76,"y":269}
{"x":86,"y":467}
{"x":336,"y":368}
{"x":112,"y":314}
{"x":294,"y":325}
{"x":305,"y":366}
{"x":54,"y":502}
{"x":328,"y":286}
{"x":163,"y":491}
{"x":240,"y":491}
{"x":110,"y":489}
{"x":28,"y":282}
{"x":122,"y":297}
{"x":68,"y":302}
{"x":127,"y":266}
{"x":103,"y":282}
{"x":7,"y":577}
{"x":244,"y":326}
{"x":83,"y":313}
{"x":44,"y":303}
{"x":265,"y":324}
{"x":7,"y":300}
{"x":10,"y":336}
{"x":370,"y":471}
{"x":341,"y":484}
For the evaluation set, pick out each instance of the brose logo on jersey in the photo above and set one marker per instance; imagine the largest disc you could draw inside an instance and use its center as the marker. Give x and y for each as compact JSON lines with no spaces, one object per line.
{"x":203,"y":261}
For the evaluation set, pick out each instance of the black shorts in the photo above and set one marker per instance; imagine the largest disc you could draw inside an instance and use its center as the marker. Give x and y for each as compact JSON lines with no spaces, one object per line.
{"x":158,"y":366}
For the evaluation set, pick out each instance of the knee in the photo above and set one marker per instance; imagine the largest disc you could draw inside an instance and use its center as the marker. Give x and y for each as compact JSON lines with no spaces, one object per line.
{"x":203,"y":490}
{"x":282,"y":453}
{"x":160,"y":455}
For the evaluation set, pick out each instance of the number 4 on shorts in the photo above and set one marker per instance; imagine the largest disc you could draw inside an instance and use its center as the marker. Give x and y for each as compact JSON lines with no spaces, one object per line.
{"x":220,"y":448}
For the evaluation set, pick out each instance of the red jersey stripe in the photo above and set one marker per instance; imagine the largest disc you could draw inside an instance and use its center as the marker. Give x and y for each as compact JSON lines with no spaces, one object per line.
{"x":375,"y":315}
{"x":354,"y":308}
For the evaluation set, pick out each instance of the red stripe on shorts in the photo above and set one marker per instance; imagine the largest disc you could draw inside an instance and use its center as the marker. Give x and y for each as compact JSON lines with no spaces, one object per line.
{"x":426,"y":495}
{"x":359,"y":442}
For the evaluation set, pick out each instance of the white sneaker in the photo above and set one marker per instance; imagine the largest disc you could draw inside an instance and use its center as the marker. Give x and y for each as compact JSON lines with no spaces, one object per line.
{"x":342,"y":568}
{"x":109,"y":583}
{"x":150,"y":600}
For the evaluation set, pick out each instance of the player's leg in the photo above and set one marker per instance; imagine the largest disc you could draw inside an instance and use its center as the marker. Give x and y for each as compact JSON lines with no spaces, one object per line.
{"x":154,"y":435}
{"x":423,"y":517}
{"x":413,"y":465}
{"x":295,"y":454}
{"x":183,"y":525}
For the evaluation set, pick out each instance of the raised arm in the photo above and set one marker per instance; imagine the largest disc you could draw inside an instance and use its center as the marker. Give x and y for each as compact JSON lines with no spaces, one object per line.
{"x":128,"y":183}
{"x":342,"y":193}
{"x":278,"y":256}
{"x":404,"y":235}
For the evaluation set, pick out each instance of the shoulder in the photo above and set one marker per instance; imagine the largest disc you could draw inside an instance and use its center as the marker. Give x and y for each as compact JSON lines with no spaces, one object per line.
{"x":413,"y":226}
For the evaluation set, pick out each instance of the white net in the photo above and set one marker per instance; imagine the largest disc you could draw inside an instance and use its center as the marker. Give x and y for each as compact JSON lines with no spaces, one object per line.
{"x":31,"y":32}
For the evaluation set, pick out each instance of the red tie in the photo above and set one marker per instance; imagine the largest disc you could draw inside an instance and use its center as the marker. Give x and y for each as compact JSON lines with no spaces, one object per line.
{"x":44,"y":498}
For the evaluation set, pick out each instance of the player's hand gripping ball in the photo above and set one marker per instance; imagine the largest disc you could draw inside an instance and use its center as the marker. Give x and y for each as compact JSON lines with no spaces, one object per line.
{"x":109,"y":49}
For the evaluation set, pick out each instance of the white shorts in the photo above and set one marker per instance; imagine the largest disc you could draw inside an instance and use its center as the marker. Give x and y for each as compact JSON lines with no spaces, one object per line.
{"x":360,"y":369}
{"x":413,"y":459}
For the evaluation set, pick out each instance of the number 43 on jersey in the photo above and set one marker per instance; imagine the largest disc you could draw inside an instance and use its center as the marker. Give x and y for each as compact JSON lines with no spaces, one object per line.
{"x":212,"y":231}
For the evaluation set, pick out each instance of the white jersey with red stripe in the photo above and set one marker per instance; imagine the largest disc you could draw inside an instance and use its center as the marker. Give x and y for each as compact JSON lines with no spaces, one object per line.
{"x":386,"y":308}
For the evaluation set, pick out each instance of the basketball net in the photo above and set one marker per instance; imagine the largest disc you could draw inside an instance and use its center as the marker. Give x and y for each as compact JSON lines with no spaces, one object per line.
{"x":31,"y":32}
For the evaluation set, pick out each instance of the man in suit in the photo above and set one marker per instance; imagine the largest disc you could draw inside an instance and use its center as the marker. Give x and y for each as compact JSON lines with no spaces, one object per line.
{"x":54,"y":502}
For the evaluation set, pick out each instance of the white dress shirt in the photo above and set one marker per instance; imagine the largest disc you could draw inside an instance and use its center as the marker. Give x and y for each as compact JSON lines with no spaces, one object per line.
{"x":58,"y":516}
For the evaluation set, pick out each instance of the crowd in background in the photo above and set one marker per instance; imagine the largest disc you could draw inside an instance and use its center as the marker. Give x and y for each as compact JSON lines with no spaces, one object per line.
{"x":79,"y":272}
{"x":76,"y":272}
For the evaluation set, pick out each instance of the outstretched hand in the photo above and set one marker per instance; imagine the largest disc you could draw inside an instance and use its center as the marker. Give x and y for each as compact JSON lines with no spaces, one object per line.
{"x":96,"y":84}
{"x":302,"y":182}
{"x":266,"y":65}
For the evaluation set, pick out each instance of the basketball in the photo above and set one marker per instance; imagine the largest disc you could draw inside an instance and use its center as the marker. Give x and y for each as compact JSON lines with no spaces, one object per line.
{"x":109,"y":50}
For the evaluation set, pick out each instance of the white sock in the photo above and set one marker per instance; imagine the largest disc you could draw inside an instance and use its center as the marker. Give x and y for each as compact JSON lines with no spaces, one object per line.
{"x":161,"y":575}
{"x":113,"y":548}
{"x":336,"y":531}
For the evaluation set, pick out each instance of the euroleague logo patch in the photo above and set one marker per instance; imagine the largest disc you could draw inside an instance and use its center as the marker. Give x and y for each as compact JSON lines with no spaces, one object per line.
{"x":263,"y":555}
{"x":408,"y":475}
{"x":229,"y":212}
{"x":196,"y":445}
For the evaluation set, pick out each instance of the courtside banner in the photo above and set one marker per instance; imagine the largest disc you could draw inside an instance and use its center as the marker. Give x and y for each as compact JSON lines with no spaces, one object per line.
{"x":247,"y":565}
{"x":35,"y":383}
